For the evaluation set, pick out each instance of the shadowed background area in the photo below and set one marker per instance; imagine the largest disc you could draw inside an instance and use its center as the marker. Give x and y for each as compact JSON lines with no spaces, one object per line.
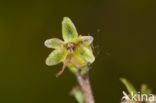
{"x":124,"y":45}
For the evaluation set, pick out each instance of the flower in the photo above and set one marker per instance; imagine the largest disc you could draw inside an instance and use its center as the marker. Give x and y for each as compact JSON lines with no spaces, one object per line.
{"x":75,"y":50}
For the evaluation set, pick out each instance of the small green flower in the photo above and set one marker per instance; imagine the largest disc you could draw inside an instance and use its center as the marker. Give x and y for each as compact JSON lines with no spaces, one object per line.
{"x":75,"y":50}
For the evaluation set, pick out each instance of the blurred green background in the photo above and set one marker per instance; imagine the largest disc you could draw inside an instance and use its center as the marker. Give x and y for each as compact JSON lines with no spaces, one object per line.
{"x":124,"y":45}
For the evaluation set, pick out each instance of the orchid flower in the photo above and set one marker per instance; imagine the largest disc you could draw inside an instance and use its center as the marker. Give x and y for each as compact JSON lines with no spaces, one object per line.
{"x":74,"y":51}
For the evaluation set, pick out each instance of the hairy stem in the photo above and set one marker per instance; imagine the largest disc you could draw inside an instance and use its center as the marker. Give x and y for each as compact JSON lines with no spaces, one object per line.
{"x":84,"y":83}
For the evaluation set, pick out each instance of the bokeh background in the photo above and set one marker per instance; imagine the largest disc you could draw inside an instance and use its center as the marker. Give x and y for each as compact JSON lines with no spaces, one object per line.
{"x":124,"y":45}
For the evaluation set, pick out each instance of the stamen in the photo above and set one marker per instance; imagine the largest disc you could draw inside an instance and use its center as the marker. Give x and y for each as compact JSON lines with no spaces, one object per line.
{"x":70,"y":46}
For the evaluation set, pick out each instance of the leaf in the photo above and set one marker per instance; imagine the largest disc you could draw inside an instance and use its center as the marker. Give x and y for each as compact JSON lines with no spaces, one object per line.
{"x":77,"y":93}
{"x":154,"y":99}
{"x":54,"y":43}
{"x":129,"y":86}
{"x":56,"y":57}
{"x":145,"y":89}
{"x":85,"y":40}
{"x":68,"y":30}
{"x":84,"y":55}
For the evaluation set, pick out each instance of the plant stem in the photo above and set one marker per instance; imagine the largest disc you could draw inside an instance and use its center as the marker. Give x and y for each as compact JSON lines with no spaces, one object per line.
{"x":84,"y":83}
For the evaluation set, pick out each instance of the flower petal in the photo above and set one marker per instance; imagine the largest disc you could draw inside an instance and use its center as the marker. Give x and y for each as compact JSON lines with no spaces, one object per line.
{"x":54,"y":43}
{"x":85,"y":40}
{"x":84,"y":55}
{"x":56,"y":57}
{"x":68,"y":30}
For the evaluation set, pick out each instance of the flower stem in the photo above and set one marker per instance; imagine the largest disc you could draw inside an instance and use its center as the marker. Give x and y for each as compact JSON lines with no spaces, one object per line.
{"x":84,"y":83}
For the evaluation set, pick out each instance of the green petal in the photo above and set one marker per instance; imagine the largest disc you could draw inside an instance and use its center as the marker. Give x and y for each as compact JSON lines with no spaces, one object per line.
{"x":54,"y":43}
{"x":68,"y":30}
{"x":85,"y":40}
{"x":84,"y":55}
{"x":56,"y":57}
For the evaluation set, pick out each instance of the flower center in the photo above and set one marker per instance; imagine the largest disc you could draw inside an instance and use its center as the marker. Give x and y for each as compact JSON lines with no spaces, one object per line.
{"x":70,"y":46}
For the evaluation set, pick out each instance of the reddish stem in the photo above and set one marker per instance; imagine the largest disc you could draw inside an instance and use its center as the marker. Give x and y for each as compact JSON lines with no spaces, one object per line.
{"x":84,"y":83}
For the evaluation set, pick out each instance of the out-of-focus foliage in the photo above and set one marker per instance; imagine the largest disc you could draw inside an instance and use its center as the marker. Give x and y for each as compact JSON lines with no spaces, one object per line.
{"x":131,"y":89}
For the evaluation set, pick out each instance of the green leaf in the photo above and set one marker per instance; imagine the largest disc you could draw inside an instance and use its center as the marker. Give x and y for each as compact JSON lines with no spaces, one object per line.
{"x":85,"y":40}
{"x":129,"y":86}
{"x":84,"y":55}
{"x":54,"y":43}
{"x":145,"y":89}
{"x":56,"y":57}
{"x":68,"y":30}
{"x":154,"y":99}
{"x":77,"y":93}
